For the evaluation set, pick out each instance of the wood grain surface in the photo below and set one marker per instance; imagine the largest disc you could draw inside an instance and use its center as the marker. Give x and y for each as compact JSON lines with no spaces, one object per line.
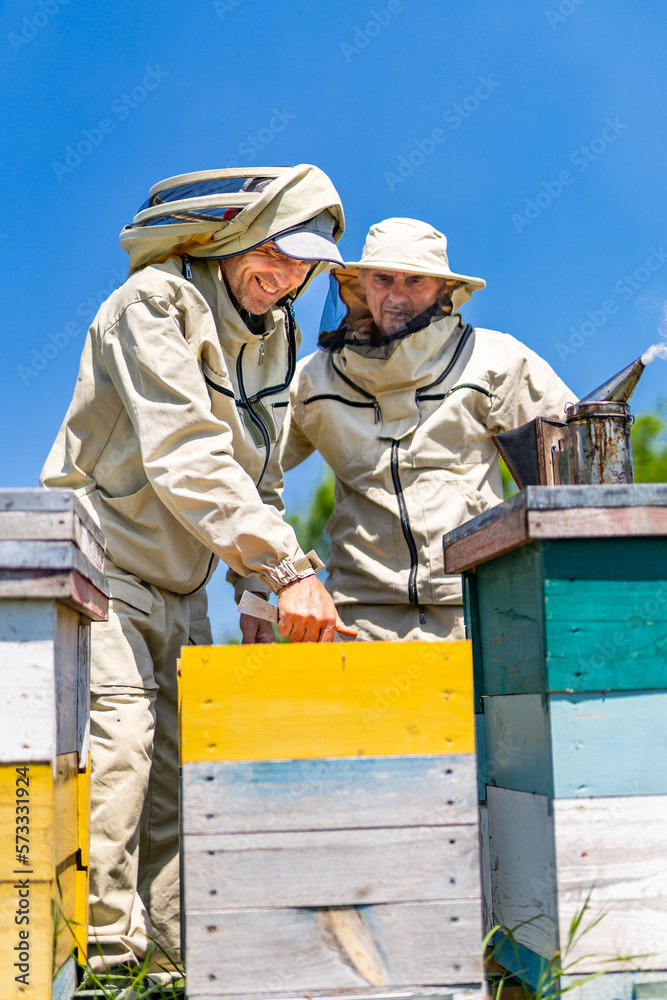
{"x":328,"y":793}
{"x":330,"y":867}
{"x":344,"y":700}
{"x":269,"y":950}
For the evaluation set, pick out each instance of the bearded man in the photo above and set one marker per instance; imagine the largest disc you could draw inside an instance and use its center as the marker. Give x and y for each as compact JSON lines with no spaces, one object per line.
{"x":402,"y":400}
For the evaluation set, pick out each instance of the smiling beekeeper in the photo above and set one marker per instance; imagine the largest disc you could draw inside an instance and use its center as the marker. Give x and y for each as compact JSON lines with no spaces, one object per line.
{"x":401,"y":400}
{"x":172,"y":441}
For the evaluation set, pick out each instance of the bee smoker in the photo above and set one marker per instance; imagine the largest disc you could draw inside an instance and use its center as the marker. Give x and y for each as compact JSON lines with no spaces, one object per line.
{"x":591,"y":446}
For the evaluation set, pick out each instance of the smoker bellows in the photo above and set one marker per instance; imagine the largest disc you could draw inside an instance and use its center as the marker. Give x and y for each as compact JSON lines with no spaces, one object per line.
{"x":592,"y":446}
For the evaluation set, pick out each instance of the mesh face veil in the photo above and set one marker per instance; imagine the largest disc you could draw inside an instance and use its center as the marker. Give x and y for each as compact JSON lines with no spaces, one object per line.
{"x":347,"y":320}
{"x":222,"y":213}
{"x":407,"y":281}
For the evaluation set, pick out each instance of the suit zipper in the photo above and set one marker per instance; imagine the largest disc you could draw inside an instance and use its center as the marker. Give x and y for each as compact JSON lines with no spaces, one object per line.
{"x":413,"y":595}
{"x":253,"y":416}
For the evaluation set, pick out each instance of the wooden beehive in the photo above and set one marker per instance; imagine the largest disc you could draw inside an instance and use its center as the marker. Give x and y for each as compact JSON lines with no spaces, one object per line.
{"x":330,"y":829}
{"x":566,"y":603}
{"x":51,"y":587}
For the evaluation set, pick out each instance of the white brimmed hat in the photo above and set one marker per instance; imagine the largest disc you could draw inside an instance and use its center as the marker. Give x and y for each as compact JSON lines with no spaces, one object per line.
{"x":413,"y":247}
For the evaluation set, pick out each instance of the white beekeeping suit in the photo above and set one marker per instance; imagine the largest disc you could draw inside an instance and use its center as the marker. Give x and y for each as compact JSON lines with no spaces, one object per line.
{"x":406,"y":422}
{"x":172,"y":442}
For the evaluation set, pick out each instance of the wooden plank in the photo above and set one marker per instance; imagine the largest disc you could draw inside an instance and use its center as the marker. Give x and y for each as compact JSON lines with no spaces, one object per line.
{"x":65,"y":980}
{"x":606,"y":559}
{"x":596,"y":495}
{"x":601,"y":522}
{"x":54,"y":526}
{"x":518,"y":743}
{"x":613,"y":848}
{"x":328,"y":793}
{"x":27,"y":676}
{"x":511,"y":629}
{"x":38,"y":796}
{"x":58,"y":557}
{"x":490,"y":541}
{"x":65,"y":832}
{"x":330,"y":867}
{"x":81,"y":917}
{"x":609,"y":744}
{"x":83,"y":693}
{"x":69,"y":586}
{"x":523,"y":865}
{"x":27,"y":621}
{"x":65,"y":906}
{"x":39,"y":939}
{"x":83,"y":813}
{"x":67,"y":681}
{"x":269,"y":951}
{"x":606,"y":634}
{"x":344,"y":700}
{"x":485,"y":868}
{"x":442,"y":992}
{"x":471,"y":608}
{"x":43,"y":500}
{"x":557,"y":512}
{"x":617,"y":986}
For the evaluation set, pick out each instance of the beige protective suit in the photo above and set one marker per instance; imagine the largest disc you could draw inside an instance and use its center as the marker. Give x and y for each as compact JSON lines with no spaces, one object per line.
{"x":407,"y":431}
{"x":172,"y":441}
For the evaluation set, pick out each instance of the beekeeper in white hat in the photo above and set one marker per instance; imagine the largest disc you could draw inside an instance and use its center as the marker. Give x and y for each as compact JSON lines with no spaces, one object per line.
{"x":172,"y":442}
{"x":401,"y":400}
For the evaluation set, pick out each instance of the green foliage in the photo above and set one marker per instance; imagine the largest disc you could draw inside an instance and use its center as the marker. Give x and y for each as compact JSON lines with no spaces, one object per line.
{"x":649,"y":452}
{"x":310,"y":523}
{"x":133,"y":982}
{"x":649,"y":446}
{"x":509,"y":486}
{"x":548,"y":984}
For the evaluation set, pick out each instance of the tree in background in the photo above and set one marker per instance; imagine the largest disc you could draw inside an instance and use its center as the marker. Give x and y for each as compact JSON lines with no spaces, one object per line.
{"x":649,"y":454}
{"x":649,"y":446}
{"x":311,"y":521}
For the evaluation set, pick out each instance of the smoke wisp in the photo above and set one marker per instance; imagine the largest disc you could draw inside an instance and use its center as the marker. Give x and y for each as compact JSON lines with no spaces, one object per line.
{"x":658,"y":350}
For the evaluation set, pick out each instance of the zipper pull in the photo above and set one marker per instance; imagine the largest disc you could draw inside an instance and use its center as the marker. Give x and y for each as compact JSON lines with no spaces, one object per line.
{"x":378,"y":414}
{"x":188,"y":270}
{"x":422,"y":614}
{"x":261,"y":352}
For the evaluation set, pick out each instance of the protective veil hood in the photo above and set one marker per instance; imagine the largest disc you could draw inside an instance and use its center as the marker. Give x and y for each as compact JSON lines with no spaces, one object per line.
{"x":219,"y":213}
{"x":406,"y":245}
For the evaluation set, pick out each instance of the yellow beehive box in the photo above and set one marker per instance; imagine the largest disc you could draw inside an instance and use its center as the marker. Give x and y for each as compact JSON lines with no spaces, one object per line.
{"x":51,"y":586}
{"x":329,"y":812}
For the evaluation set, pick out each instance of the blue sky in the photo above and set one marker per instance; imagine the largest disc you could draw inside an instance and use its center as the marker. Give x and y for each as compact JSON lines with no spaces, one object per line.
{"x":533,"y":134}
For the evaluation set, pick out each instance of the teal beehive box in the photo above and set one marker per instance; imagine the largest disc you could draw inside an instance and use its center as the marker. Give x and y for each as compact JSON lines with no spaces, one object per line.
{"x":566,"y":603}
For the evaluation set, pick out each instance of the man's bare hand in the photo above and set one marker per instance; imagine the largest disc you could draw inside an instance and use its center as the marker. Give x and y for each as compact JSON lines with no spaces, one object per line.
{"x":256,"y":629}
{"x":308,"y":614}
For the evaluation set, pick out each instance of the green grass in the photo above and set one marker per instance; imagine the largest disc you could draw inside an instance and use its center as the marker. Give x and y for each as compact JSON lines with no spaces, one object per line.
{"x":551,"y":970}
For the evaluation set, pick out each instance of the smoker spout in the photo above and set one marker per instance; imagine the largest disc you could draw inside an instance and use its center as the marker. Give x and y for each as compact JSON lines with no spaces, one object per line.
{"x":618,"y":388}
